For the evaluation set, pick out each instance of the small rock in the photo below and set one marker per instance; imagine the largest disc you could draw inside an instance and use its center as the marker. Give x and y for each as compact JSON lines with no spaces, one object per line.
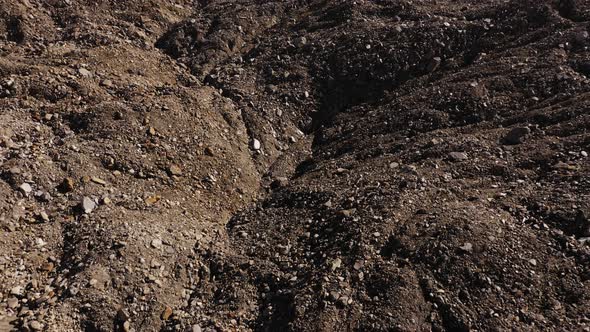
{"x":156,"y":243}
{"x":66,"y":185}
{"x":12,"y":302}
{"x":35,"y":326}
{"x":196,"y":328}
{"x":151,"y":200}
{"x":533,"y":262}
{"x":516,"y":135}
{"x":167,"y":313}
{"x":42,"y":195}
{"x":25,"y":188}
{"x":467,"y":247}
{"x":47,"y":267}
{"x":88,"y":205}
{"x":256,"y":145}
{"x":335,"y":264}
{"x":209,"y":152}
{"x":154,"y":264}
{"x":393,"y":165}
{"x":347,"y":213}
{"x":44,"y":216}
{"x":584,"y":154}
{"x":40,"y":242}
{"x":300,"y":42}
{"x":341,"y":170}
{"x":17,"y":290}
{"x":106,"y":83}
{"x":458,"y":156}
{"x":358,"y":265}
{"x":175,"y":170}
{"x":126,"y":326}
{"x":84,"y":72}
{"x":343,"y":300}
{"x":98,"y":180}
{"x":92,"y":282}
{"x":334,"y":296}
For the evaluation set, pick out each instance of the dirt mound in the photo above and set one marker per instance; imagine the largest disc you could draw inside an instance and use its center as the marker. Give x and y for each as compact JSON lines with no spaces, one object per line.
{"x":295,"y":165}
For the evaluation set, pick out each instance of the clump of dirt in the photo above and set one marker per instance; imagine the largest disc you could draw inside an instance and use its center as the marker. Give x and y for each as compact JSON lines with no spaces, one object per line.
{"x":294,"y":165}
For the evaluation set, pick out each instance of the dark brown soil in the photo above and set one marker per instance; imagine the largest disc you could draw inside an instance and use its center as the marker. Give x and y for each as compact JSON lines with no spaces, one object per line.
{"x":294,"y":165}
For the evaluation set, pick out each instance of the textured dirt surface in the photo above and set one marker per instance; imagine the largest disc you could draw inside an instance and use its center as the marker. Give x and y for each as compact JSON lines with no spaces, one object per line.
{"x":294,"y":165}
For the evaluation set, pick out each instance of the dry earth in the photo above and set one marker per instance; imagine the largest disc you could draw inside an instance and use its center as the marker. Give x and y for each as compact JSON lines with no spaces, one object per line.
{"x":295,"y":165}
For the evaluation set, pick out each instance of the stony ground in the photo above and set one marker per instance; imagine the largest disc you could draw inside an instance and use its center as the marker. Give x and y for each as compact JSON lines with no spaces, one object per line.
{"x":295,"y":165}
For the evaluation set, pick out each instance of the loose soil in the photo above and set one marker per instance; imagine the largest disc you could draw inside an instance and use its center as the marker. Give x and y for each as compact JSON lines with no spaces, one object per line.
{"x":295,"y":165}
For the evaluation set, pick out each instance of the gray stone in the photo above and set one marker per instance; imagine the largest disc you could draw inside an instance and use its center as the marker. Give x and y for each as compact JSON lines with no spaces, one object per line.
{"x":335,"y":264}
{"x":256,"y":145}
{"x":35,"y":326}
{"x":156,"y":243}
{"x":17,"y":290}
{"x":88,"y":205}
{"x":458,"y":156}
{"x":84,"y":72}
{"x":25,"y":188}
{"x":12,"y":303}
{"x":467,"y":247}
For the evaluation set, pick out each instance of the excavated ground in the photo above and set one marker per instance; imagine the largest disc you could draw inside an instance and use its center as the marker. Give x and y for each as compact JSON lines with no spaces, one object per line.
{"x":295,"y":165}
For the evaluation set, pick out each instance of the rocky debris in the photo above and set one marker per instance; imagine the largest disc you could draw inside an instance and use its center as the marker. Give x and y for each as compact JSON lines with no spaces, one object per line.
{"x":12,"y":303}
{"x":458,"y":156}
{"x":156,"y":243}
{"x":209,"y":152}
{"x":17,"y":290}
{"x":256,"y":145}
{"x":44,"y":216}
{"x":85,"y":73}
{"x":25,"y":188}
{"x":151,"y":200}
{"x":335,"y":264}
{"x":87,"y":205}
{"x":175,"y":170}
{"x":35,"y":326}
{"x":466,"y":247}
{"x":106,"y":83}
{"x":370,"y":224}
{"x":67,"y":185}
{"x":167,"y":313}
{"x":98,"y":180}
{"x":516,"y":135}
